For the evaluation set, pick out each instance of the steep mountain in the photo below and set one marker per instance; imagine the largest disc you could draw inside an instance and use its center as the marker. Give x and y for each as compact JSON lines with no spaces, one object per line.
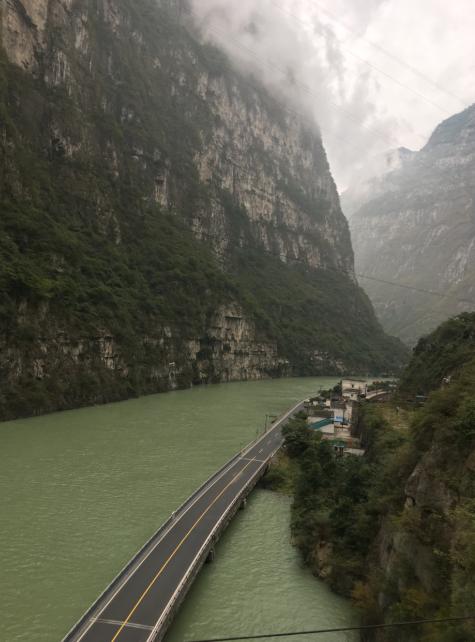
{"x":422,"y":562}
{"x":415,"y":224}
{"x":164,"y":221}
{"x":395,"y":529}
{"x":372,"y":179}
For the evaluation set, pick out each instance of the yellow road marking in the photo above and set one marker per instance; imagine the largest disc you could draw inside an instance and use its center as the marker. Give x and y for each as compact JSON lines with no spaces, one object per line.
{"x":165,"y":564}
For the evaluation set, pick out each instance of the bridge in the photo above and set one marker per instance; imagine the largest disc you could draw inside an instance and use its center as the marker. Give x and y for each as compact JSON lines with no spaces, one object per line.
{"x":378,"y":395}
{"x":140,"y":603}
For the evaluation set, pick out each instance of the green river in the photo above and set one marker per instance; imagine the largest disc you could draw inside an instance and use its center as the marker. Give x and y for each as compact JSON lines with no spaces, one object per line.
{"x":81,"y":491}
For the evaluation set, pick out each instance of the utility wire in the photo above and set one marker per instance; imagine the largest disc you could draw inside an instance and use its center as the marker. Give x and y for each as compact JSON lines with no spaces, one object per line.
{"x":288,"y":258}
{"x":387,"y":53}
{"x":367,"y":627}
{"x":306,"y":88}
{"x":368,"y":63}
{"x":415,"y":289}
{"x":340,"y":107}
{"x":377,"y":280}
{"x":225,"y":40}
{"x":349,"y":273}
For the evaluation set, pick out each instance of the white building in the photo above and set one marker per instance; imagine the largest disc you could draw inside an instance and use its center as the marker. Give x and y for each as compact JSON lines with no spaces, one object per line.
{"x":353,"y":388}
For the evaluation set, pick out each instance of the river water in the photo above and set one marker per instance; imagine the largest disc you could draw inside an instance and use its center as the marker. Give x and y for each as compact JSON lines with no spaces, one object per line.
{"x":81,"y":491}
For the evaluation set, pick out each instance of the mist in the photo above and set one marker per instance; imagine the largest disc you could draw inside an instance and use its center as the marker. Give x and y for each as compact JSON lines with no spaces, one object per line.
{"x":372,"y":74}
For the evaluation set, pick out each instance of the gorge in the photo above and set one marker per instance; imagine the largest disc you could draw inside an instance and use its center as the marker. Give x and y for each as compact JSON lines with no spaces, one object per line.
{"x":165,"y":221}
{"x":414,"y":224}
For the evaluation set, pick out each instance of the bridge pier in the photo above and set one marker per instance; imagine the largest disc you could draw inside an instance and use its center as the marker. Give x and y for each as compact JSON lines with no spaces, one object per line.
{"x":211,"y":556}
{"x":191,"y":533}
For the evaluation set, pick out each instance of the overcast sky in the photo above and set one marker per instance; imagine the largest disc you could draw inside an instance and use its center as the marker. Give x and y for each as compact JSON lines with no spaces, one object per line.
{"x":375,"y":74}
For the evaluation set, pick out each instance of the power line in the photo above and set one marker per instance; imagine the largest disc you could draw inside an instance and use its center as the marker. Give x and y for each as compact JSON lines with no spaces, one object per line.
{"x":389,"y":54}
{"x":385,"y":282}
{"x":225,"y":41}
{"x":415,"y":289}
{"x":350,"y":273}
{"x":347,"y":629}
{"x":347,"y":272}
{"x":307,"y":89}
{"x":369,"y":64}
{"x":226,"y":38}
{"x":305,"y":119}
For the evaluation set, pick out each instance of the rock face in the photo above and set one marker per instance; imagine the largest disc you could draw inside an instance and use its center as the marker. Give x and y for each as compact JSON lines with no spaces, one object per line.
{"x":166,"y":221}
{"x":415,"y":224}
{"x":371,"y":181}
{"x":421,"y":564}
{"x":423,"y":558}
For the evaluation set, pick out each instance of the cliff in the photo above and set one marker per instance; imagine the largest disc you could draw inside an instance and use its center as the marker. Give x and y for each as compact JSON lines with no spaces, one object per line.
{"x":372,"y":180}
{"x":395,"y":529}
{"x":164,"y":221}
{"x":414,"y":223}
{"x":423,"y":558}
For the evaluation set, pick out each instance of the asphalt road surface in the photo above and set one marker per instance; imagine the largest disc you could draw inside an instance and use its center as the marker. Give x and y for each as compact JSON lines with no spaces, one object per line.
{"x":135,"y":608}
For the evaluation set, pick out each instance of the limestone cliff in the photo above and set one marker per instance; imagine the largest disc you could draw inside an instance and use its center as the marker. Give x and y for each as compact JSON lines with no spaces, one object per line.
{"x":422,"y":561}
{"x":164,"y":220}
{"x":394,"y":529}
{"x":414,"y":224}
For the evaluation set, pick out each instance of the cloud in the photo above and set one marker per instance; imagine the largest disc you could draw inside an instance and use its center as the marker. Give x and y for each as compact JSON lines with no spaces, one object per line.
{"x":366,"y":98}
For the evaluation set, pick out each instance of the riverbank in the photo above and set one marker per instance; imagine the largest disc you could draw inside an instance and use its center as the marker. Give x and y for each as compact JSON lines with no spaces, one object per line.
{"x":393,"y":530}
{"x":82,"y":490}
{"x":337,"y":501}
{"x":258,"y":583}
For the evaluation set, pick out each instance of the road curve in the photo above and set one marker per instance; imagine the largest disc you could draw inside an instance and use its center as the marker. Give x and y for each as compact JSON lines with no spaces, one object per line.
{"x":139,"y":604}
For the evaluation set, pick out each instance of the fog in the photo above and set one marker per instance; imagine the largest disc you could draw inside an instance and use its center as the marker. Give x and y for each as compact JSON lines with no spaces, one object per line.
{"x":374,"y":74}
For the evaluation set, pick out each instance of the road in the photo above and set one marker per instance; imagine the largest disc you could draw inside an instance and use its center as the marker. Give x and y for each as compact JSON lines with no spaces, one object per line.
{"x":137,"y":607}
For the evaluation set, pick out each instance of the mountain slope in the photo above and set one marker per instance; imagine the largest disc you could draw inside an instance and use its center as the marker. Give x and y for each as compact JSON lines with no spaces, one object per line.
{"x":416,"y":226}
{"x":422,"y":562}
{"x":164,"y":220}
{"x":395,"y":528}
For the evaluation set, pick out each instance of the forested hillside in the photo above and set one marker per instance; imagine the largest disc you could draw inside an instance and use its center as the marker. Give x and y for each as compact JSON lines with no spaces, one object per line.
{"x":164,"y":221}
{"x":395,"y":529}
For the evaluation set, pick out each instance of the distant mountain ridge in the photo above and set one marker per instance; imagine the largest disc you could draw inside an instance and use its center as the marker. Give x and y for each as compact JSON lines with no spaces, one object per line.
{"x":416,"y":225}
{"x":373,"y":179}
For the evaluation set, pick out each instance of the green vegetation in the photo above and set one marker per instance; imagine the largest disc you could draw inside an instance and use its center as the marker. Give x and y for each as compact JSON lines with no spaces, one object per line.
{"x":395,"y":529}
{"x":382,"y":385}
{"x":431,"y":573}
{"x":441,"y":354}
{"x":281,"y":475}
{"x":307,"y":311}
{"x":339,"y":502}
{"x":99,"y":189}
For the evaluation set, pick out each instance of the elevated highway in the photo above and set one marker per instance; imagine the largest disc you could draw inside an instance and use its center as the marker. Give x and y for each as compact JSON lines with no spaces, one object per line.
{"x":141,"y":601}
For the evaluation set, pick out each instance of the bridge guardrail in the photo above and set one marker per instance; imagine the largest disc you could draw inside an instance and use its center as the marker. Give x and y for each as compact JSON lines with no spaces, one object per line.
{"x":161,"y":626}
{"x":69,"y":637}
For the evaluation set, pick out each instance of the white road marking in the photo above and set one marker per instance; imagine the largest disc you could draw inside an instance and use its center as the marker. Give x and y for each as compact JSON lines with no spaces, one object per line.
{"x":261,"y":461}
{"x":157,"y":626}
{"x":132,"y":625}
{"x":261,"y":450}
{"x":134,"y":569}
{"x":171,"y":526}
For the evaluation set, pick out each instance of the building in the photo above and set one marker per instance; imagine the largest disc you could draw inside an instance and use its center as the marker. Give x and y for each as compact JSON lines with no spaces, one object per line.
{"x":353,"y":389}
{"x":339,"y":412}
